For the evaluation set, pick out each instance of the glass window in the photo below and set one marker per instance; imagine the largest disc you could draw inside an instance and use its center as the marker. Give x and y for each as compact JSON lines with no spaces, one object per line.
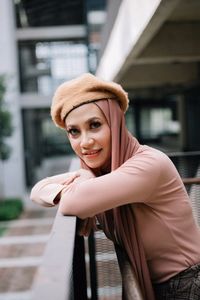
{"x":44,"y":65}
{"x":156,"y":122}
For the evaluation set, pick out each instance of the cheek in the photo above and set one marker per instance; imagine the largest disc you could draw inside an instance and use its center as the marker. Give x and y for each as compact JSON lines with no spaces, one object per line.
{"x":74,"y":145}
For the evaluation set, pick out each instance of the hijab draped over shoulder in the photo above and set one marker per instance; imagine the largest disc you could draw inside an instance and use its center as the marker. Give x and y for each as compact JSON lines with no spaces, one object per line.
{"x":118,"y":223}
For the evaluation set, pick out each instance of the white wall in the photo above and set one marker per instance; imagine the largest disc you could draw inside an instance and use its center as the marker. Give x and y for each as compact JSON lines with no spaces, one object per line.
{"x":132,"y":19}
{"x":12,"y":170}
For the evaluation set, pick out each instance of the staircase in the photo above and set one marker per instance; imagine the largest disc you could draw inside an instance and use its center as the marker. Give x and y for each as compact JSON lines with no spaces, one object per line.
{"x":21,"y":248}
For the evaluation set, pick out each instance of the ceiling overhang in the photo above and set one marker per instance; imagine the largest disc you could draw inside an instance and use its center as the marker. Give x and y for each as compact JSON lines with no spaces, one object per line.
{"x":156,"y":47}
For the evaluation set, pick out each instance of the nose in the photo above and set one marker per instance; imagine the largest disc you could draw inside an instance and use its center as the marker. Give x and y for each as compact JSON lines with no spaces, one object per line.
{"x":86,"y":141}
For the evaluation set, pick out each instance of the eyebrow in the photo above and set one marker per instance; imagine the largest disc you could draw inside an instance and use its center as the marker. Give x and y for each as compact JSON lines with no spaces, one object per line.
{"x":88,"y":121}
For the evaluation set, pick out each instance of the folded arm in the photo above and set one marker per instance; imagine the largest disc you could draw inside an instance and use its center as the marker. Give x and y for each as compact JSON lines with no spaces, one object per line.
{"x":132,"y":182}
{"x":47,"y":192}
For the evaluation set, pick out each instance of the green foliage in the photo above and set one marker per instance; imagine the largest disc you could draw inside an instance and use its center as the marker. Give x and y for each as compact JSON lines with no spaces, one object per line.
{"x":5,"y":122}
{"x":10,"y":209}
{"x":2,"y":230}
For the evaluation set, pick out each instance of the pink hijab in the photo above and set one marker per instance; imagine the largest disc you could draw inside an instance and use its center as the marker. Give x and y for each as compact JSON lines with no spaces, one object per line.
{"x":118,"y":223}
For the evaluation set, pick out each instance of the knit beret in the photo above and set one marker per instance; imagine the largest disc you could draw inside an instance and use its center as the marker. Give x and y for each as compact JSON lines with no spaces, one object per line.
{"x":84,"y":89}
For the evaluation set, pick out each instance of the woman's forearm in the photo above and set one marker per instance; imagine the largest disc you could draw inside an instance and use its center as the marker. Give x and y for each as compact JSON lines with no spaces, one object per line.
{"x":46,"y":192}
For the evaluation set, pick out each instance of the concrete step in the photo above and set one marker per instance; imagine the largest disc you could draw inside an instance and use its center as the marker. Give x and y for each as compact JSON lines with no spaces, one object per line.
{"x":25,"y":295}
{"x":27,"y":222}
{"x":21,"y":250}
{"x":20,"y":262}
{"x":27,"y":239}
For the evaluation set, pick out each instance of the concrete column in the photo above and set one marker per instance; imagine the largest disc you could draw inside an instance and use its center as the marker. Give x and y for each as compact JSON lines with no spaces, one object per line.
{"x":12,"y":170}
{"x":189,"y":111}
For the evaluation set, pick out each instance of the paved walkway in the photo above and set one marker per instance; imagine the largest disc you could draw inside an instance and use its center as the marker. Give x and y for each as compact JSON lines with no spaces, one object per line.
{"x":21,"y":250}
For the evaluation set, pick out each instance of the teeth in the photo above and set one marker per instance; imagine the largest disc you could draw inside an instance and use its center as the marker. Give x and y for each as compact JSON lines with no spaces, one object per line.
{"x":93,"y":152}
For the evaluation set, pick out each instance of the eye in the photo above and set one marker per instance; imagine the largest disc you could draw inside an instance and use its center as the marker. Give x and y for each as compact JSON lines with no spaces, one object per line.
{"x":73,"y":131}
{"x":95,"y":124}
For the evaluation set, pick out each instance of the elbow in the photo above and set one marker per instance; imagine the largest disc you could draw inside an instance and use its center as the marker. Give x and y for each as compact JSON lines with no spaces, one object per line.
{"x":33,"y":197}
{"x":63,"y":210}
{"x":73,"y":211}
{"x":35,"y":194}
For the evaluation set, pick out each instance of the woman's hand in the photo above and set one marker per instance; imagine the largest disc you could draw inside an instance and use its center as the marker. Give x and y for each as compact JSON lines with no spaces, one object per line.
{"x":78,"y":176}
{"x":63,"y":179}
{"x":67,"y":178}
{"x":82,"y":175}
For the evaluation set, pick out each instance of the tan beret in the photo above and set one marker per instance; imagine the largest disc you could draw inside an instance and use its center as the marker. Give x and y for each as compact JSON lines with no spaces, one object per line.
{"x":84,"y":89}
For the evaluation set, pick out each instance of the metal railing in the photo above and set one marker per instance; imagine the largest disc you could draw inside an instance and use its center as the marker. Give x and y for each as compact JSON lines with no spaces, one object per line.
{"x":187,"y":163}
{"x":62,"y":274}
{"x":188,"y":166}
{"x":58,"y":277}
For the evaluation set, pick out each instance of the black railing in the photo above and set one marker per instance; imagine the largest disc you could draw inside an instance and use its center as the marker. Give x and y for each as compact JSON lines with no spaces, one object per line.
{"x":55,"y":276}
{"x":187,"y":163}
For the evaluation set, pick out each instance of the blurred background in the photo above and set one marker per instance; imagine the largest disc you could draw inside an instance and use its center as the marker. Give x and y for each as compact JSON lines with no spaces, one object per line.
{"x":152,"y":48}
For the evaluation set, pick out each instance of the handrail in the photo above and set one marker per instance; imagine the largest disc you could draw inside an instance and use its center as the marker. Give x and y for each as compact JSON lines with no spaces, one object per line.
{"x":183,"y":154}
{"x":54,"y":276}
{"x":58,"y":276}
{"x":192,"y":180}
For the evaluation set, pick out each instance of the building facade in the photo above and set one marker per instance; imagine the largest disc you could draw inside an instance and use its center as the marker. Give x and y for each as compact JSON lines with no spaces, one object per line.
{"x":43,"y":43}
{"x":151,"y":47}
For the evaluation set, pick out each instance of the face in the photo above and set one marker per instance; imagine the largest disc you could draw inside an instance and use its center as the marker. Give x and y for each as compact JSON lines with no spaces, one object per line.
{"x":89,"y":135}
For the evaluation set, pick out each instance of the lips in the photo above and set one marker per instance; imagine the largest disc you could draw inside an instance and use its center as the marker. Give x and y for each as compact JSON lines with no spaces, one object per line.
{"x":91,"y":153}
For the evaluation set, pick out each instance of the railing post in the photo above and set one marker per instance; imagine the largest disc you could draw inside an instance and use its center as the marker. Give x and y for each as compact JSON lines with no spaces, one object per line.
{"x":79,"y":270}
{"x":93,"y":268}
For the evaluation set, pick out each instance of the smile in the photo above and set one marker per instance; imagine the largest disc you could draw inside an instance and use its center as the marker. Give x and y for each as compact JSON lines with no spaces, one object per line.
{"x":91,"y":153}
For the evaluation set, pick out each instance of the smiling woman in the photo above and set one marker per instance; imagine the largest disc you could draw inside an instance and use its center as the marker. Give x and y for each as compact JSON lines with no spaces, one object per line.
{"x":89,"y":135}
{"x":134,"y":191}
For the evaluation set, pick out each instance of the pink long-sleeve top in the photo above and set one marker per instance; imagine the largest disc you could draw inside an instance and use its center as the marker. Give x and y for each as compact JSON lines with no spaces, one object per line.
{"x":150,"y":182}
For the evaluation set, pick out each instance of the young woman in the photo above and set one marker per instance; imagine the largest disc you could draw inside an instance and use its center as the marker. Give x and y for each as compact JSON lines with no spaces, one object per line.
{"x":133,"y":190}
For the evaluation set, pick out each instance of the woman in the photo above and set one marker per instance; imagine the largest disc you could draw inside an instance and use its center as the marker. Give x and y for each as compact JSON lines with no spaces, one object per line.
{"x":133,"y":190}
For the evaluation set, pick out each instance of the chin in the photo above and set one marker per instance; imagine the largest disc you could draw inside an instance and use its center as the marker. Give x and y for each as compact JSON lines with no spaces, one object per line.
{"x":93,"y":165}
